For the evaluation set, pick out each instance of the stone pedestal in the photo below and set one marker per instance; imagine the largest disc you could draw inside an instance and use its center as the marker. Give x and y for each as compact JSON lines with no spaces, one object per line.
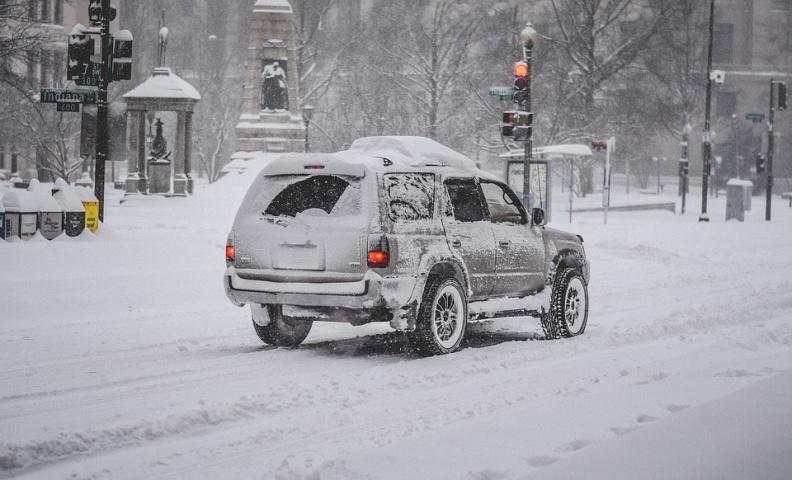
{"x":270,"y":132}
{"x":159,"y":177}
{"x":273,"y":39}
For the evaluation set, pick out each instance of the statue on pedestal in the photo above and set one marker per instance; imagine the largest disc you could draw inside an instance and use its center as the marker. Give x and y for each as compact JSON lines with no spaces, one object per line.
{"x":159,"y":147}
{"x":274,"y":89}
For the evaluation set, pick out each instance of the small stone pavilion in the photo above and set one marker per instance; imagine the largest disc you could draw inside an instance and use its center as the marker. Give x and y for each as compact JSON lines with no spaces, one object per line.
{"x":271,"y":121}
{"x":170,"y":172}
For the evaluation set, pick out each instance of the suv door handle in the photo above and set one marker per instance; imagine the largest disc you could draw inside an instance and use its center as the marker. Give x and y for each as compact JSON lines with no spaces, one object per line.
{"x":504,"y":243}
{"x":456,"y":243}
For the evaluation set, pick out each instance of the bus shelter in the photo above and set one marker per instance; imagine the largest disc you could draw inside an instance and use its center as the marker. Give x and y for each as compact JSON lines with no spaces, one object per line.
{"x":542,"y":168}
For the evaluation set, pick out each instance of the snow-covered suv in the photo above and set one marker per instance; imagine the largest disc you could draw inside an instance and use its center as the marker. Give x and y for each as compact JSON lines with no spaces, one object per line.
{"x":400,"y":230}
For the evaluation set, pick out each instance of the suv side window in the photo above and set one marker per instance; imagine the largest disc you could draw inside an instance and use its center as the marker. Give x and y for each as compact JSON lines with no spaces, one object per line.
{"x":503,"y":204}
{"x":409,"y":196}
{"x":466,"y":199}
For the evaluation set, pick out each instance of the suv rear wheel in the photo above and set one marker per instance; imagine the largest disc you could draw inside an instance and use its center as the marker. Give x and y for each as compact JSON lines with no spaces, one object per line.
{"x":282,"y":331}
{"x":442,"y":319}
{"x":568,"y":306}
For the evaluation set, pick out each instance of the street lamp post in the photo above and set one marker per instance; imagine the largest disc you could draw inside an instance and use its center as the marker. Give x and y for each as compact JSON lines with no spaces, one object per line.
{"x":707,"y":145}
{"x":528,"y":37}
{"x":684,"y":163}
{"x":307,"y":113}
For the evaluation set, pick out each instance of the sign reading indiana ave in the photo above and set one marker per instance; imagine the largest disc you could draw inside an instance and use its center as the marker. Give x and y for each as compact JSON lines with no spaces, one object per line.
{"x":86,"y":96}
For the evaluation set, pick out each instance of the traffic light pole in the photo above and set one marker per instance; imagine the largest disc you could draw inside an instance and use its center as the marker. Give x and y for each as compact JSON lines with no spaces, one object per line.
{"x":102,"y":130}
{"x":707,"y":145}
{"x":526,"y":106}
{"x":770,"y":148}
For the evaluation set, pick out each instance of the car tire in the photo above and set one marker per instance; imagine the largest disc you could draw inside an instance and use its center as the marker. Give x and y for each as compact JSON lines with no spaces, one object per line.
{"x":282,"y":331}
{"x":442,"y":318}
{"x":569,"y":303}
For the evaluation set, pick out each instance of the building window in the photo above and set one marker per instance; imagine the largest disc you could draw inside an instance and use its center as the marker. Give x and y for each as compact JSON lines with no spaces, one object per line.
{"x":45,"y":11}
{"x":33,"y":10}
{"x":725,"y":104}
{"x":723,"y":43}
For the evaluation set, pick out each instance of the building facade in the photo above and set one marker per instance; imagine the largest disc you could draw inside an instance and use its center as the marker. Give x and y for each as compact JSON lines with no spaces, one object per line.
{"x":752,"y":43}
{"x":50,"y":21}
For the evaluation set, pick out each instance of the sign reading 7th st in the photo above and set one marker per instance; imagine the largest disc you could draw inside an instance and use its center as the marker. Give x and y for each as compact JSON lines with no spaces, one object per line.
{"x":85,"y":96}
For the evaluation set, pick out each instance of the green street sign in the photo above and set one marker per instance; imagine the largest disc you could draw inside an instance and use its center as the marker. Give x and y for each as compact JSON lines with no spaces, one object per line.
{"x":69,"y":106}
{"x":85,"y":96}
{"x":503,"y":93}
{"x":755,"y":117}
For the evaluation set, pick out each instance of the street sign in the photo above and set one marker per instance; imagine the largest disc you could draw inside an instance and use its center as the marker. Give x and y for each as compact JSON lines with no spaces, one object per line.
{"x":503,"y":93}
{"x":81,"y":95}
{"x":90,"y":78}
{"x":755,"y":117}
{"x":69,"y":106}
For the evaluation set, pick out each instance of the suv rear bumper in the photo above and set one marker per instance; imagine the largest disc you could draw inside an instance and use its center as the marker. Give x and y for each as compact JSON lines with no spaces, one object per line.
{"x":373,"y":292}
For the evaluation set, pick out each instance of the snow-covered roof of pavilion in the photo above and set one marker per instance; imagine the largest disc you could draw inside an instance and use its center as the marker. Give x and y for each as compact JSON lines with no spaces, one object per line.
{"x":164,"y":84}
{"x":553,"y":150}
{"x":281,"y":6}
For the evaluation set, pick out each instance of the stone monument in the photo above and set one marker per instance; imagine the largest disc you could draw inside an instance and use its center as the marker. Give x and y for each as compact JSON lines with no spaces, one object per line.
{"x":270,"y":120}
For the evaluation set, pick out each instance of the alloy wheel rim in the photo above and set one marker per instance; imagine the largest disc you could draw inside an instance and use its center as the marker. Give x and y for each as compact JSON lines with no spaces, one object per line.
{"x":447,"y":317}
{"x":575,"y":306}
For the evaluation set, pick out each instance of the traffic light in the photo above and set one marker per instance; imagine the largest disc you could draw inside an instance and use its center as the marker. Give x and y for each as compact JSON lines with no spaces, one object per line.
{"x":522,"y":74}
{"x":761,"y":161}
{"x":122,"y":55}
{"x":81,"y":47}
{"x":95,"y":13}
{"x":508,"y":122}
{"x":517,"y":124}
{"x":782,"y":96}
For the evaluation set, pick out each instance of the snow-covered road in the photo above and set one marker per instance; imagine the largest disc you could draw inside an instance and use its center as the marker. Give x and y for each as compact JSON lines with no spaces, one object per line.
{"x":121,"y":358}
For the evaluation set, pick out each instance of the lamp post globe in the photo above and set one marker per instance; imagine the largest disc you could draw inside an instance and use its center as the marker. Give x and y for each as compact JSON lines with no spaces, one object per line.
{"x":528,"y":35}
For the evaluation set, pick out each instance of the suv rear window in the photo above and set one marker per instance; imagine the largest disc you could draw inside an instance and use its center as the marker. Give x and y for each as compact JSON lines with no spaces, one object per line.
{"x":290,"y":195}
{"x":409,"y":196}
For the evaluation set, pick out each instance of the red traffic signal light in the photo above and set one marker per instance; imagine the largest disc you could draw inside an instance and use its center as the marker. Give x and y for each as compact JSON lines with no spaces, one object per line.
{"x":521,"y":70}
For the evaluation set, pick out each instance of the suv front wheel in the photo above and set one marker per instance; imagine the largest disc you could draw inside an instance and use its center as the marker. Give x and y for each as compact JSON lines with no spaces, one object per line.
{"x":442,"y":319}
{"x":568,"y":306}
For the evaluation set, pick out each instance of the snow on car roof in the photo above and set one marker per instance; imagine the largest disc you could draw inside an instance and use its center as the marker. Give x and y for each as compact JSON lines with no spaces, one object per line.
{"x":413,"y":152}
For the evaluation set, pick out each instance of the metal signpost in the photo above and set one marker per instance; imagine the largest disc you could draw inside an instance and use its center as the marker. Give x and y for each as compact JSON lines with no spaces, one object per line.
{"x":116,"y":54}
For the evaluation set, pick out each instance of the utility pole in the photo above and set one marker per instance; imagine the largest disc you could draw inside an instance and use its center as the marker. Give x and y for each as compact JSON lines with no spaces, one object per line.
{"x":707,"y":145}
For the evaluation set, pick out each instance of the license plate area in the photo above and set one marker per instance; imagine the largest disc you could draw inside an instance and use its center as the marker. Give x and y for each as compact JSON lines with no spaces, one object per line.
{"x":299,"y":254}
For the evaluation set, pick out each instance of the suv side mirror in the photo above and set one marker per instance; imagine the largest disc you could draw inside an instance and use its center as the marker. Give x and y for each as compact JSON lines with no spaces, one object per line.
{"x":538,"y":217}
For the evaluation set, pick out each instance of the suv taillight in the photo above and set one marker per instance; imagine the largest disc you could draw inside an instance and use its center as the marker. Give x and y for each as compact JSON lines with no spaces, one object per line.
{"x":379,"y":253}
{"x":230,"y":254}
